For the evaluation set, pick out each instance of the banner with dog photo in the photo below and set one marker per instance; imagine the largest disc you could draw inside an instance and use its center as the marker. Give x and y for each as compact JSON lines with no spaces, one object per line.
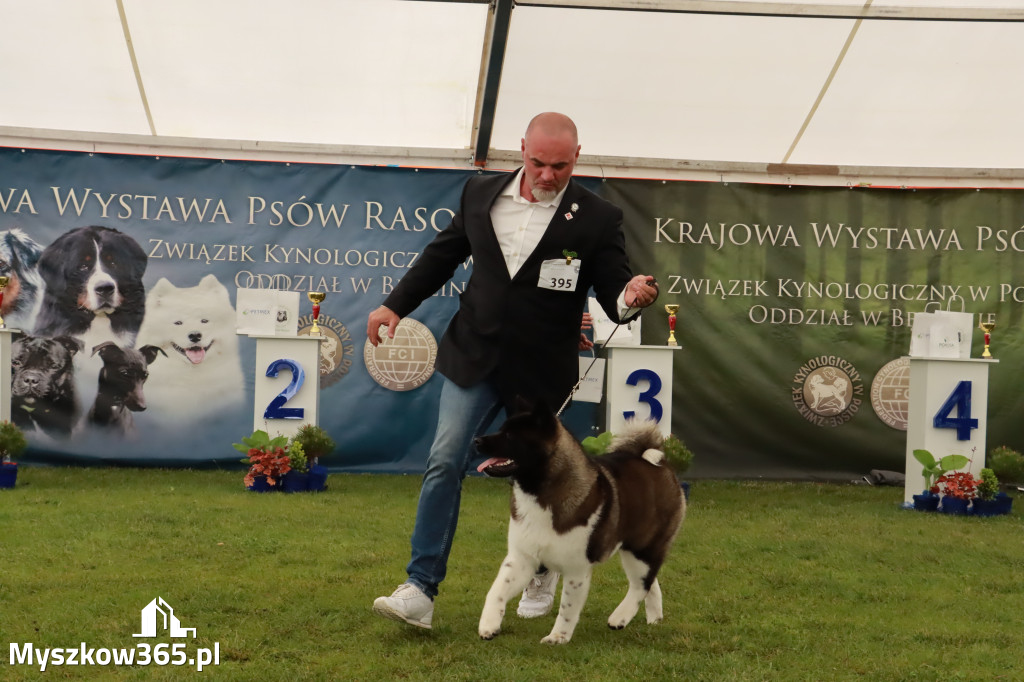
{"x":124,"y":273}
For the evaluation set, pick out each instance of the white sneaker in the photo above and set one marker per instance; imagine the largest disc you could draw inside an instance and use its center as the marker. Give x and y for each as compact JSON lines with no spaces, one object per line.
{"x":408,"y":603}
{"x":539,"y":595}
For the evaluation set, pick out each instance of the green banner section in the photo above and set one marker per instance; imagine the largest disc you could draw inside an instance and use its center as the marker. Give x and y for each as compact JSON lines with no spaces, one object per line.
{"x":796,"y":305}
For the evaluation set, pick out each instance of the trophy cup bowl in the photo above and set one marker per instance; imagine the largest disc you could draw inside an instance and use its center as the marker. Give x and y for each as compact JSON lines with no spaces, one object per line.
{"x":672,"y":309}
{"x":987,"y":327}
{"x":4,"y":281}
{"x":317,"y":298}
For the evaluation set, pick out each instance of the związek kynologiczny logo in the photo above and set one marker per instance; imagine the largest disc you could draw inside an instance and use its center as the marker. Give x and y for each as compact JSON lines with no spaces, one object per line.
{"x":827,"y":390}
{"x":157,"y":618}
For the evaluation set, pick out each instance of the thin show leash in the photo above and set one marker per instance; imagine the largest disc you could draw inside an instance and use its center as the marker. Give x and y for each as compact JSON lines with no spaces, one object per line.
{"x":604,"y":345}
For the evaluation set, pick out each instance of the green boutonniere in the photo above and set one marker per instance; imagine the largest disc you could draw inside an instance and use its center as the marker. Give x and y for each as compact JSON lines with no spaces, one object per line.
{"x":569,"y":255}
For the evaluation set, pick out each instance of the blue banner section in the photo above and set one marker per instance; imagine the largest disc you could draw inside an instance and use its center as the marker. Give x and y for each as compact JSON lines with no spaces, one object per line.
{"x":796,"y":308}
{"x":148,"y":253}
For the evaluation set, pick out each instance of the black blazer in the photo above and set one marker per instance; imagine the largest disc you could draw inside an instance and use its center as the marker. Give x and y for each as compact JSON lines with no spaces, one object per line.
{"x":509,"y":330}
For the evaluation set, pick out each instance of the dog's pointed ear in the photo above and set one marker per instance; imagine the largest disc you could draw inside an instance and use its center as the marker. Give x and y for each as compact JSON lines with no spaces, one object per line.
{"x":149,"y":352}
{"x":523,"y":405}
{"x":102,"y":348}
{"x":72,"y":343}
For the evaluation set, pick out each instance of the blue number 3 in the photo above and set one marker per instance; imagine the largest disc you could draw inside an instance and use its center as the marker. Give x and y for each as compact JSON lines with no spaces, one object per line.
{"x":276,"y":408}
{"x":648,"y":396}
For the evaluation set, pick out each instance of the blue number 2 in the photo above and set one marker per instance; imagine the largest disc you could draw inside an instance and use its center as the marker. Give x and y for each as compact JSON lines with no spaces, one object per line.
{"x":276,"y":408}
{"x":960,"y":399}
{"x":648,"y":396}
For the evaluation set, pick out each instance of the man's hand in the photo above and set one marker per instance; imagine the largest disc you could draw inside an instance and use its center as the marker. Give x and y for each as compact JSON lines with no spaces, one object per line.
{"x":381,"y":316}
{"x":641,"y":291}
{"x":588,"y":323}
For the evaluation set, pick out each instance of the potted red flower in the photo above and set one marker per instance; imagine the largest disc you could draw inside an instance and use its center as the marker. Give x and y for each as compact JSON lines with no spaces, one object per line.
{"x":957,"y":488}
{"x":267,"y":459}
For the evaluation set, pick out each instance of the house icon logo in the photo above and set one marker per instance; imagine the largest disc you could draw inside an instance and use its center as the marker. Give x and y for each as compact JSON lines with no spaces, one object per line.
{"x":158,"y":615}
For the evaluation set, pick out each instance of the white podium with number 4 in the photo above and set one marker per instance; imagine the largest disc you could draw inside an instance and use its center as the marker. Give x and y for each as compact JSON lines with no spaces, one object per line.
{"x":639,"y":385}
{"x":948,"y":414}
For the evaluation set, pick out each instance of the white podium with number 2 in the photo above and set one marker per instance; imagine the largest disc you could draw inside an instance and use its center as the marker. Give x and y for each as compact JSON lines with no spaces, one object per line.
{"x":287,"y":383}
{"x":948,"y":414}
{"x":639,"y":385}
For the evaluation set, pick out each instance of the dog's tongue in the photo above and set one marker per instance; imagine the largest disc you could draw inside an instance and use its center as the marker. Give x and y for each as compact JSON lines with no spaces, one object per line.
{"x":492,"y":460}
{"x":195,"y":355}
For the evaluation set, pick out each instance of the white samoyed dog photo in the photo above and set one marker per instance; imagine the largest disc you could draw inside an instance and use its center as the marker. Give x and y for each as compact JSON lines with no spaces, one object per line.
{"x":202,"y":377}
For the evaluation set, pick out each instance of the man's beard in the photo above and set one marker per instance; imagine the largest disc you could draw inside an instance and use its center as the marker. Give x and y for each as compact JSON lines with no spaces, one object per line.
{"x":544,"y":194}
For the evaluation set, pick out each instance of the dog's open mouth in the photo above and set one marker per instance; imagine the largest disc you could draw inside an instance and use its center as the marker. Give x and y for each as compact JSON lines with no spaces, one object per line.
{"x":194,"y":354}
{"x":499,"y":467}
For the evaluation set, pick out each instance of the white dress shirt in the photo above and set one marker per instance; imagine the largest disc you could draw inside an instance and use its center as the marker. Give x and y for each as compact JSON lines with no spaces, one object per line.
{"x":519,"y":224}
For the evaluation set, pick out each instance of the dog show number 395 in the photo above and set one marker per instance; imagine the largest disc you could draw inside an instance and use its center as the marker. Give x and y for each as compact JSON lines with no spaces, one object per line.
{"x":276,"y":408}
{"x":650,"y":396}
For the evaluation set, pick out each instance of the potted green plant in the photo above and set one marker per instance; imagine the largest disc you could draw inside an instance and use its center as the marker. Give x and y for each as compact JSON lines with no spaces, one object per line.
{"x":932,"y":469}
{"x":297,"y":478}
{"x":267,"y":459}
{"x":315,"y":443}
{"x":12,"y":444}
{"x":957,"y":488}
{"x":988,"y":487}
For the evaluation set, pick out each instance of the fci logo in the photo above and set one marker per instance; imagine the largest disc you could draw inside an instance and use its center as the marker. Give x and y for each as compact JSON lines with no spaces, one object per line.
{"x":158,"y":615}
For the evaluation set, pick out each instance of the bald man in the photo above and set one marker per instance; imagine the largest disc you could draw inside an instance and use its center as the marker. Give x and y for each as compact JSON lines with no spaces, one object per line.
{"x":517,"y":330}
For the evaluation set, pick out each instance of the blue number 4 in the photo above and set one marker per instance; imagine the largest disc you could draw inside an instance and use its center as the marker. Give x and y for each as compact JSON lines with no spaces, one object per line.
{"x":960,"y":399}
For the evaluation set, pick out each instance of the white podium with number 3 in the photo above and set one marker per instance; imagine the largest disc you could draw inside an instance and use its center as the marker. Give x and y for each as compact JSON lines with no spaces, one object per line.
{"x":639,"y":386}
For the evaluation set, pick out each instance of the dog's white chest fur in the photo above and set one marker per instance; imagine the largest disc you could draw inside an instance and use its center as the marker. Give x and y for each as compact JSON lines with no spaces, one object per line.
{"x":533,"y":534}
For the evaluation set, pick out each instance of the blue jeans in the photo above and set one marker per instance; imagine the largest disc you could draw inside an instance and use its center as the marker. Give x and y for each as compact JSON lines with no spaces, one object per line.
{"x":463,"y":414}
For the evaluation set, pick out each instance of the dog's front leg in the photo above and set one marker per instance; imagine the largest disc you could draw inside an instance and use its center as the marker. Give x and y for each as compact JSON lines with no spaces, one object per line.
{"x":514,"y":574}
{"x":575,"y":588}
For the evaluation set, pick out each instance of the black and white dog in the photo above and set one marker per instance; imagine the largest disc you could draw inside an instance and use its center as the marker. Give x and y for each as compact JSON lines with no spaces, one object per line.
{"x":93,"y":286}
{"x":120,"y":393}
{"x":43,"y":392}
{"x":571,"y":511}
{"x":19,"y":257}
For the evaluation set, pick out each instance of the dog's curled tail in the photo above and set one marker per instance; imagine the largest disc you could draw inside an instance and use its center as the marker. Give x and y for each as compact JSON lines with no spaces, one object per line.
{"x":643,"y":438}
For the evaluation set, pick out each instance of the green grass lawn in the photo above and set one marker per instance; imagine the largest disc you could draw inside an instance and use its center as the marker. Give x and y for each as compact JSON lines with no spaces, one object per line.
{"x":767,"y":581}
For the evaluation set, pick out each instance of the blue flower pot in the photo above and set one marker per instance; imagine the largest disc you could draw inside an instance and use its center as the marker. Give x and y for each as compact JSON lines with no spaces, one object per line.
{"x":8,"y":475}
{"x":926,"y":501}
{"x":295,"y":482}
{"x":954,"y":505}
{"x":260,"y":485}
{"x":317,"y":478}
{"x":1005,"y":503}
{"x":985,"y":507}
{"x":685,"y":485}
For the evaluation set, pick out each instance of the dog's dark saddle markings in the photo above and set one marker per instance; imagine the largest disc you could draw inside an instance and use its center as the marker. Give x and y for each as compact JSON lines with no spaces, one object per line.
{"x":571,"y":511}
{"x":92,"y":272}
{"x":43,"y":384}
{"x":121,"y":380}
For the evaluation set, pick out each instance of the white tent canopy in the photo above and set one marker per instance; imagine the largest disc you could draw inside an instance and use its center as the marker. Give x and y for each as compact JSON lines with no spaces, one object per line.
{"x":914,"y":88}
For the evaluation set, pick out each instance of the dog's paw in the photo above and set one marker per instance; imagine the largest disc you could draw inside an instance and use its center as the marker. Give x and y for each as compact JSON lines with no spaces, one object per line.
{"x":557,"y":638}
{"x":618,"y":625}
{"x":488,"y":634}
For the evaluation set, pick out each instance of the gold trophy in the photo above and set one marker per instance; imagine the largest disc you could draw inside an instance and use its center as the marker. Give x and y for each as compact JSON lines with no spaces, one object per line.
{"x":987,"y":327}
{"x":317,"y":298}
{"x":4,"y":281}
{"x":672,"y":309}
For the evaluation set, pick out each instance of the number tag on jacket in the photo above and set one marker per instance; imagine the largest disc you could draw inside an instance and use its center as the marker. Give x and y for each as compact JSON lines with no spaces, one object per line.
{"x":555,"y":274}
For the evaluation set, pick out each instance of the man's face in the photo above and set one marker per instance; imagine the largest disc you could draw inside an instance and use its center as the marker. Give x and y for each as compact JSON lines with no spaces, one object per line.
{"x":548,"y":162}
